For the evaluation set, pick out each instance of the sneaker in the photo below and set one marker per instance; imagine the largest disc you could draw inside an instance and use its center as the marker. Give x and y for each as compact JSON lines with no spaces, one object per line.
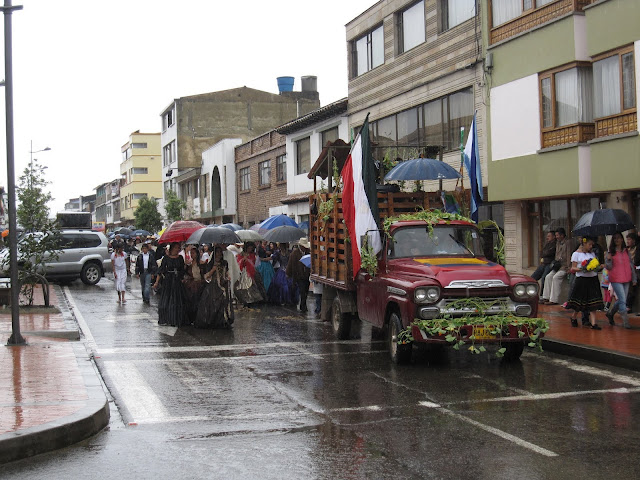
{"x":596,"y":327}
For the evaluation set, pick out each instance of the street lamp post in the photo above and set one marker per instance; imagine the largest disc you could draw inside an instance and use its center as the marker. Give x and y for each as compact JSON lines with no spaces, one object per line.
{"x":31,"y":152}
{"x":16,"y":337}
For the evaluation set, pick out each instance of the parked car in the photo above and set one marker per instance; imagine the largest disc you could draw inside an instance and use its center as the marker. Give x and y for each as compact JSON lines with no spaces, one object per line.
{"x":83,"y":254}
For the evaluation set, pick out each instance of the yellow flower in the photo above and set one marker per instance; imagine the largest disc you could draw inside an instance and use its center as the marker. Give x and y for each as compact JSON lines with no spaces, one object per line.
{"x":593,"y":264}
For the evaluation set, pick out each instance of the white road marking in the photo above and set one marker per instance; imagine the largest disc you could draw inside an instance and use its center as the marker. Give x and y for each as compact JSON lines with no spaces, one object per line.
{"x":429,"y":404}
{"x":135,"y":392}
{"x":550,"y":396}
{"x":596,"y":371}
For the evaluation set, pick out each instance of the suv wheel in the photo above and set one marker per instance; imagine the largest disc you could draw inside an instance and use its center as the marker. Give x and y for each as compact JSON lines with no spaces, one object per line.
{"x":90,"y":274}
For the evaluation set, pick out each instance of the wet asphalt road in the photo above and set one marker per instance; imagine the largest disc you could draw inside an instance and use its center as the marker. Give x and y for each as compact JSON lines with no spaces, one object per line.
{"x":279,"y":397}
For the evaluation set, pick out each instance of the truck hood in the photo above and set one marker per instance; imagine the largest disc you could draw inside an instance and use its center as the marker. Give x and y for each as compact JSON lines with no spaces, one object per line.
{"x":448,"y":269}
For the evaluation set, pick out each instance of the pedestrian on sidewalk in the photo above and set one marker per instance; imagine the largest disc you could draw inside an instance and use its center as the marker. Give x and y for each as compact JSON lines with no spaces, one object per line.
{"x":559,"y":269}
{"x":299,"y":272}
{"x":546,"y":260}
{"x":622,"y":275}
{"x":585,"y":295}
{"x":634,"y":253}
{"x":146,"y":267}
{"x":119,"y":264}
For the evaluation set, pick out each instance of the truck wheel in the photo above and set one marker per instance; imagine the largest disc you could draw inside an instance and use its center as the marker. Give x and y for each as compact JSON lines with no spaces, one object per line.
{"x":514,"y":350}
{"x":341,"y":321}
{"x":399,"y":353}
{"x":90,"y":274}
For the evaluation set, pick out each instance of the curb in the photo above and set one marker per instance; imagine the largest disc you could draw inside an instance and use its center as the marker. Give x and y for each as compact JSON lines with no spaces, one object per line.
{"x":65,"y":431}
{"x":585,"y":352}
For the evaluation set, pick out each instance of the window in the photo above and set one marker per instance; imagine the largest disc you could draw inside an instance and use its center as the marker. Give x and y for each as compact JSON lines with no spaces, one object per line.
{"x":411,"y":27}
{"x":565,"y":97}
{"x":264,"y":173}
{"x":407,"y":126}
{"x":504,"y":10}
{"x":330,"y":135}
{"x":127,"y":153}
{"x":194,"y":188}
{"x":168,"y":154}
{"x":139,"y":171}
{"x":368,"y":52}
{"x":454,"y":12}
{"x":245,"y":179}
{"x":303,"y":155}
{"x":138,"y":145}
{"x":281,"y":168}
{"x":168,"y":119}
{"x":138,"y":196}
{"x":614,"y":84}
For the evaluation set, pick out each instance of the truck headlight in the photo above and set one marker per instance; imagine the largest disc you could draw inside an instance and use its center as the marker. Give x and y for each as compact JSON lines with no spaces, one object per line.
{"x":524,"y":290}
{"x":426,"y":294}
{"x":532,"y":289}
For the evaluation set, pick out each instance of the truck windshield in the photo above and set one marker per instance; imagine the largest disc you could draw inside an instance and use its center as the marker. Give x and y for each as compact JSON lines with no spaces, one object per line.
{"x":446,"y":240}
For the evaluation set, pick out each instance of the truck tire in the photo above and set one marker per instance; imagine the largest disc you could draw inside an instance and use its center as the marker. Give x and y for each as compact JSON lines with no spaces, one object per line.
{"x":514,"y":350}
{"x":340,"y":321}
{"x":400,"y":354}
{"x":91,"y":273}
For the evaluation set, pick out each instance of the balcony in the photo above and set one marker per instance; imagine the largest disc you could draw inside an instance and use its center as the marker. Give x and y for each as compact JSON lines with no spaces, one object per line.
{"x":616,"y":124}
{"x":534,"y":17}
{"x":570,"y":134}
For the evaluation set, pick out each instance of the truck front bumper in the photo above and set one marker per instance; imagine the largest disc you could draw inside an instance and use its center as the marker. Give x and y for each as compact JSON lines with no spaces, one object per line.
{"x":496,"y":306}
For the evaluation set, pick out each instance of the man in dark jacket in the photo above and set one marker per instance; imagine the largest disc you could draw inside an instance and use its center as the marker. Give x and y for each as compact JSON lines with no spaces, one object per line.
{"x":146,"y":266}
{"x":299,"y":272}
{"x":546,"y":261}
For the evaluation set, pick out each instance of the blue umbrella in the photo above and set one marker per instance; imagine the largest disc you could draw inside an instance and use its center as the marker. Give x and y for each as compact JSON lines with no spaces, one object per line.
{"x":277,"y":221}
{"x":140,"y":233}
{"x":231,"y":226}
{"x":422,"y":169}
{"x":304,"y":226}
{"x":306,"y":260}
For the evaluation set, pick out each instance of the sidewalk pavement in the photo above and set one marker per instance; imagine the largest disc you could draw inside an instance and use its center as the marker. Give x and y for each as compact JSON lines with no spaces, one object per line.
{"x":51,"y":395}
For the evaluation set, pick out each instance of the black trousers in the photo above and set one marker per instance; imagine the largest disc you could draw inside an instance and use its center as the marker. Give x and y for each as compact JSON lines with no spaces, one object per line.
{"x":303,"y":286}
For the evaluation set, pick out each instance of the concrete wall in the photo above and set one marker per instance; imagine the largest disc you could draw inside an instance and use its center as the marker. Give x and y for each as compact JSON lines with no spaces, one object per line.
{"x":612,"y":24}
{"x":222,"y":156}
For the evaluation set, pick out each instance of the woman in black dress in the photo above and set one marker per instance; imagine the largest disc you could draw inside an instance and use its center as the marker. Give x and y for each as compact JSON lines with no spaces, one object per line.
{"x":193,"y":284}
{"x":171,"y":307}
{"x":215,"y":309}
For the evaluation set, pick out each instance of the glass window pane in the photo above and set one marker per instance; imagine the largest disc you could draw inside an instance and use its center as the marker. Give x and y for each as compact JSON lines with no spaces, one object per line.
{"x":504,"y":10}
{"x":545,"y":85}
{"x":628,"y":81}
{"x":567,"y":97}
{"x":330,"y":135}
{"x":460,"y":10}
{"x":585,"y":94}
{"x":377,"y":47}
{"x":460,"y":115}
{"x":540,"y":3}
{"x":554,"y":215}
{"x":413,"y":29}
{"x":386,"y":131}
{"x":432,"y":133}
{"x":408,"y":127}
{"x":303,"y":156}
{"x":606,"y":87}
{"x":361,"y":55}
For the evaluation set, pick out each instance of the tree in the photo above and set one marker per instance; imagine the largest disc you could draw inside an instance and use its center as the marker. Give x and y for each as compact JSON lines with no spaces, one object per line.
{"x":41,"y":242}
{"x":173,"y":206}
{"x":147,"y":215}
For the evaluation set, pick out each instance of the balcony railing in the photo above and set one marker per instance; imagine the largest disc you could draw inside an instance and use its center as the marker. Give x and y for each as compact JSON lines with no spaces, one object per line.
{"x":579,"y":133}
{"x":615,"y":125}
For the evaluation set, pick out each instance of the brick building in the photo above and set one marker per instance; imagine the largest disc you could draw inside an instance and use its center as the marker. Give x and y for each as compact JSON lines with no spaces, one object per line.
{"x":261,"y":174}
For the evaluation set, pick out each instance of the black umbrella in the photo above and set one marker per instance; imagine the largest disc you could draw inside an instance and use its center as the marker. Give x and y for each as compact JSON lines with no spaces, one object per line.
{"x":213,"y":235}
{"x":231,"y":226}
{"x":284,"y":234}
{"x":606,"y":221}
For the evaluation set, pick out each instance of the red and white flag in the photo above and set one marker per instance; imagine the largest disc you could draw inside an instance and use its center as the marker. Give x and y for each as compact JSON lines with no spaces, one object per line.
{"x":359,"y":197}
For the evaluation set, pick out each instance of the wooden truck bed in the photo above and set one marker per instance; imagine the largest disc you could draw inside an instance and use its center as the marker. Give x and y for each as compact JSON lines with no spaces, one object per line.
{"x":330,"y":254}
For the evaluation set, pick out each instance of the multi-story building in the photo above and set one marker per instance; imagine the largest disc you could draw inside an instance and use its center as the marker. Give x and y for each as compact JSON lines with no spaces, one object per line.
{"x":261,"y":173}
{"x":416,"y":68}
{"x":306,"y":136}
{"x":192,"y":124}
{"x":563,"y":87}
{"x":141,"y":170}
{"x":219,"y":182}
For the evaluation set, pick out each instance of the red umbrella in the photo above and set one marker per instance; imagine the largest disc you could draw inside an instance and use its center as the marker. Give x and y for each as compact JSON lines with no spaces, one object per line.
{"x":179,"y":231}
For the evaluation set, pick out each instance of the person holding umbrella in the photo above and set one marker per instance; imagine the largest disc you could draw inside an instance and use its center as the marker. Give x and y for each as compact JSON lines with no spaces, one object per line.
{"x":119,"y":263}
{"x":622,"y":274}
{"x":299,"y":272}
{"x":171,"y":310}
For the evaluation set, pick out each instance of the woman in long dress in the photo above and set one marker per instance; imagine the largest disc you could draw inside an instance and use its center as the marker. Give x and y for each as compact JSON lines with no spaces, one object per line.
{"x":283,"y":290}
{"x":264,"y":267}
{"x":249,"y":288}
{"x":119,"y":263}
{"x":194,"y":284}
{"x":585,"y":295}
{"x":215,"y":308}
{"x":171,"y":307}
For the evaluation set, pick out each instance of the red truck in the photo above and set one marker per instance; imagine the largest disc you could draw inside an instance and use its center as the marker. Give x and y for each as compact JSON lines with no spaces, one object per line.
{"x":430,"y":276}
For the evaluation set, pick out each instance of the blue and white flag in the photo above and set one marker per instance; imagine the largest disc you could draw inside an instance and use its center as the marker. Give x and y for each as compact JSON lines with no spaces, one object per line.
{"x":472,"y":163}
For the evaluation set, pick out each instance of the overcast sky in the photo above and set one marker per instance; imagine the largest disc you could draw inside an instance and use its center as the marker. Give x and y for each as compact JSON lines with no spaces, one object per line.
{"x":88,"y":73}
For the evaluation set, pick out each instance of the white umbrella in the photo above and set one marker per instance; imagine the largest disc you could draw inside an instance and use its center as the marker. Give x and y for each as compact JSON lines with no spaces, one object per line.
{"x":248,"y":235}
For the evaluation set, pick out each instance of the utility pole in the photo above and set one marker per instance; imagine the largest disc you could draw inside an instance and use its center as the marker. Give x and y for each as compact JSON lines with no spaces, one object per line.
{"x":16,"y":337}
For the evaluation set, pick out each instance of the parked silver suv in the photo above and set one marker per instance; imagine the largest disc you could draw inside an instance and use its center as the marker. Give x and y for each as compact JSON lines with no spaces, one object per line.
{"x":83,"y":254}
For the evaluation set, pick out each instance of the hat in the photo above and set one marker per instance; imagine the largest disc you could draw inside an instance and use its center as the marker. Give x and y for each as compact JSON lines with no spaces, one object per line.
{"x":304,"y":242}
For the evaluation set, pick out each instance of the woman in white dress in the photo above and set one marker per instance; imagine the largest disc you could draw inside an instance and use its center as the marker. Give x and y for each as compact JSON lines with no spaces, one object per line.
{"x":119,"y":263}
